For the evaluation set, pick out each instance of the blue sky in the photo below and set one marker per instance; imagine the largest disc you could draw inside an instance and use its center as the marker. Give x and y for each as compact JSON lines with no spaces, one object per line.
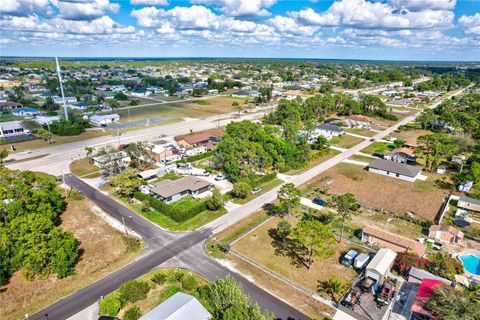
{"x":341,"y":29}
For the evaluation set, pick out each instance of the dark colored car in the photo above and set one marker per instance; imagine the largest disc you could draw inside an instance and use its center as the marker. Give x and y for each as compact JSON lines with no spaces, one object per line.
{"x":319,"y":202}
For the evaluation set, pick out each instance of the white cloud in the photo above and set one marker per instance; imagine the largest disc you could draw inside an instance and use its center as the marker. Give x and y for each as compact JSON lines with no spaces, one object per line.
{"x":237,"y":8}
{"x":471,"y":23}
{"x":149,"y":2}
{"x":420,"y":5}
{"x":289,"y":26}
{"x":23,"y":7}
{"x":365,"y":14}
{"x":85,"y":9}
{"x":5,"y":41}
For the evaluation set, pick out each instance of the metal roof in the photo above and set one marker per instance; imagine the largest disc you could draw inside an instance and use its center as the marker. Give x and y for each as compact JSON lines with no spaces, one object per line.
{"x":180,"y":306}
{"x":382,"y":262}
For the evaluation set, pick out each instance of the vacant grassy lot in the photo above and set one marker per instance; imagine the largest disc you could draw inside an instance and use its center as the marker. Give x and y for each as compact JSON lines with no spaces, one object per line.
{"x":345,"y":141}
{"x":362,"y":132}
{"x":84,"y":168}
{"x":260,"y":247}
{"x":422,"y":198}
{"x":378,"y":147}
{"x":358,"y":157}
{"x":104,"y":251}
{"x":213,"y":105}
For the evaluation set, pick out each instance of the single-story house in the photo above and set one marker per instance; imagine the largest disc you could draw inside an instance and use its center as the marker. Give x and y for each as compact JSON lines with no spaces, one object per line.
{"x":195,"y":139}
{"x":121,"y":157}
{"x":394,"y":169}
{"x":416,"y":275}
{"x":99,"y":120}
{"x":108,"y":95}
{"x":445,"y":233}
{"x":179,"y":306}
{"x":328,"y":130}
{"x":59,"y":100}
{"x":140,"y":93}
{"x":10,"y":105}
{"x":171,"y":190}
{"x":400,"y":155}
{"x":22,"y":112}
{"x":469,"y":203}
{"x":46,"y":95}
{"x":425,"y":291}
{"x":162,"y":150}
{"x":148,"y":174}
{"x":11,"y":128}
{"x":246,"y":94}
{"x":212,"y":91}
{"x":380,"y":265}
{"x":81,"y":105}
{"x":395,"y":242}
{"x":118,"y":88}
{"x":47,"y":119}
{"x":411,"y":143}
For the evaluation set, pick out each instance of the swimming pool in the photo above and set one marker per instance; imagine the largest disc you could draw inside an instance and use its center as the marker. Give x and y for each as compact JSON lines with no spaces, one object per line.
{"x":471,"y":263}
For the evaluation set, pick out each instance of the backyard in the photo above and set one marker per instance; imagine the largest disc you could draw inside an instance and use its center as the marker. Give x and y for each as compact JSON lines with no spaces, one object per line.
{"x":422,"y":198}
{"x":104,"y":250}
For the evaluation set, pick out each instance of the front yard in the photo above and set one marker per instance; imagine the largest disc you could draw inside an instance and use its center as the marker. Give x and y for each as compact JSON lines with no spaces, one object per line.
{"x":378,"y":147}
{"x":345,"y":141}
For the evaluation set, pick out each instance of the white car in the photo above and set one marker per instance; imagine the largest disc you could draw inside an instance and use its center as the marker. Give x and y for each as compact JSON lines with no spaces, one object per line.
{"x":255,"y":190}
{"x":220,"y":177}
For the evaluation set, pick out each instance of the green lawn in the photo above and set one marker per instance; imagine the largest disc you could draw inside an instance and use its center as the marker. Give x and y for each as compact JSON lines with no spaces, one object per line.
{"x":361,"y":158}
{"x":362,"y":132}
{"x":378,"y":147}
{"x":83,"y":168}
{"x":345,"y":141}
{"x":166,"y":222}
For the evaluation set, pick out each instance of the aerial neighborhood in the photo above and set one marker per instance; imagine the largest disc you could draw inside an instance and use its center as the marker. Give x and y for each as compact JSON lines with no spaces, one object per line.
{"x":224,"y":189}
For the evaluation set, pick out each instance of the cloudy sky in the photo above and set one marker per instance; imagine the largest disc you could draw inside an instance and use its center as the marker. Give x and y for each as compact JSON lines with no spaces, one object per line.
{"x":344,"y":29}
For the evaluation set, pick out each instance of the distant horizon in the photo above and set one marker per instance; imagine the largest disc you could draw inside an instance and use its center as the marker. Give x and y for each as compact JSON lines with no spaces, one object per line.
{"x":100,"y":58}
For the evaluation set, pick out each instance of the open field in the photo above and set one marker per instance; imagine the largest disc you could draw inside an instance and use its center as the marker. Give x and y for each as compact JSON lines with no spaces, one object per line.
{"x":422,"y":198}
{"x":104,"y":250}
{"x":358,"y":157}
{"x":362,"y":132}
{"x":213,"y":105}
{"x":259,"y":246}
{"x":345,"y":141}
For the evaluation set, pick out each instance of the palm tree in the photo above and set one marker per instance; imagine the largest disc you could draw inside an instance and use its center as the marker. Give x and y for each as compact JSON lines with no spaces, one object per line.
{"x":334,"y":287}
{"x":89,"y":151}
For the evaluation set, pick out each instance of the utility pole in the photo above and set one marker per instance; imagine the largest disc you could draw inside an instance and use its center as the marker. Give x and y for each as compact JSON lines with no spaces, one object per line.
{"x":126,"y":234}
{"x":61,"y":89}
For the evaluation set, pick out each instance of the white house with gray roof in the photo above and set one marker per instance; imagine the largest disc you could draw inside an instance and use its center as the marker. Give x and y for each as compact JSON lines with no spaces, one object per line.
{"x":394,"y":169}
{"x":180,"y":306}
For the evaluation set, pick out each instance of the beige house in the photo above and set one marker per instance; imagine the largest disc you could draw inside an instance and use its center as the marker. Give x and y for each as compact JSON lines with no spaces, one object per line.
{"x":445,"y":234}
{"x":392,"y":241}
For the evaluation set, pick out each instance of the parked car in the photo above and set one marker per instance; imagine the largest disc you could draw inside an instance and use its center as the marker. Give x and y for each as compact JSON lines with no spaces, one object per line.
{"x":372,"y":139}
{"x":319,"y":202}
{"x":255,"y":190}
{"x":220,"y":177}
{"x":348,"y":258}
{"x":361,"y":261}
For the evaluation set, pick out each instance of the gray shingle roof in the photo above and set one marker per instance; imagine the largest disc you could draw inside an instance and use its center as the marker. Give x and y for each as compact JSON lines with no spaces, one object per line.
{"x":422,"y":274}
{"x":395,"y":167}
{"x":180,"y":306}
{"x":469,"y":200}
{"x":329,"y":127}
{"x":168,"y":188}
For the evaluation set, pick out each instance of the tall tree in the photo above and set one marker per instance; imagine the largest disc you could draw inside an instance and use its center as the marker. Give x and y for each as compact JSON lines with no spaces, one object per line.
{"x":289,"y":197}
{"x":316,"y":238}
{"x":346,"y":204}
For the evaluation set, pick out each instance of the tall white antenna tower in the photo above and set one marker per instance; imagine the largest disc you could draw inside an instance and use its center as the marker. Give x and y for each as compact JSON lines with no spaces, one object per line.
{"x":61,"y":89}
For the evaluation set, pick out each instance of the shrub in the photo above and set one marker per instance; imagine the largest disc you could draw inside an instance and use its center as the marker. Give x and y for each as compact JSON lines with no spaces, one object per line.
{"x":132,"y":314}
{"x":110,"y":305}
{"x":132,"y":291}
{"x":241,"y":190}
{"x":189,"y":282}
{"x":264,"y":179}
{"x":215,"y":202}
{"x":159,"y":278}
{"x":406,"y":260}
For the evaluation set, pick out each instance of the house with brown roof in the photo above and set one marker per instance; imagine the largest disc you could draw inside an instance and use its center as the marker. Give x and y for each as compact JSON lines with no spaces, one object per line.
{"x":10,"y":105}
{"x":445,"y":233}
{"x":194,"y":139}
{"x":400,"y":155}
{"x":393,"y":241}
{"x":394,"y":169}
{"x":171,"y":190}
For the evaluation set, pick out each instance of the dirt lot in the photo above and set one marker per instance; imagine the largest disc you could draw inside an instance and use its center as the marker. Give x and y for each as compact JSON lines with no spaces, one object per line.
{"x":423,"y":198}
{"x":104,"y":250}
{"x":258,"y":245}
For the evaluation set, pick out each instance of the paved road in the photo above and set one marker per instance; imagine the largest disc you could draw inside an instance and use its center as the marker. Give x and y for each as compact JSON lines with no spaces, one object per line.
{"x":187,"y":248}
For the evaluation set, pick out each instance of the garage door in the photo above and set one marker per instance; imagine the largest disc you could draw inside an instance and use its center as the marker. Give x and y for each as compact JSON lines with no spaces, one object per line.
{"x":372,"y":274}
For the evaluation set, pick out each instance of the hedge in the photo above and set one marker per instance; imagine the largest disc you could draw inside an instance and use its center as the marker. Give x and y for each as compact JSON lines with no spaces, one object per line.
{"x":167,"y":210}
{"x":200,"y":156}
{"x":263,"y":179}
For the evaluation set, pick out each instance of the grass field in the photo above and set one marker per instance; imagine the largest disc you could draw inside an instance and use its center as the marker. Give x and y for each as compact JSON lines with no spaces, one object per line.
{"x":260,"y":247}
{"x":358,"y":157}
{"x":345,"y":141}
{"x":378,"y":147}
{"x":84,"y":168}
{"x":422,"y":198}
{"x":104,"y":251}
{"x":362,"y":132}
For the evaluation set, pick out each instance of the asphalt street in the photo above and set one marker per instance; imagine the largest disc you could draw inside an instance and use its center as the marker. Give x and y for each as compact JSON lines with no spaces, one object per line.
{"x":186,"y":248}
